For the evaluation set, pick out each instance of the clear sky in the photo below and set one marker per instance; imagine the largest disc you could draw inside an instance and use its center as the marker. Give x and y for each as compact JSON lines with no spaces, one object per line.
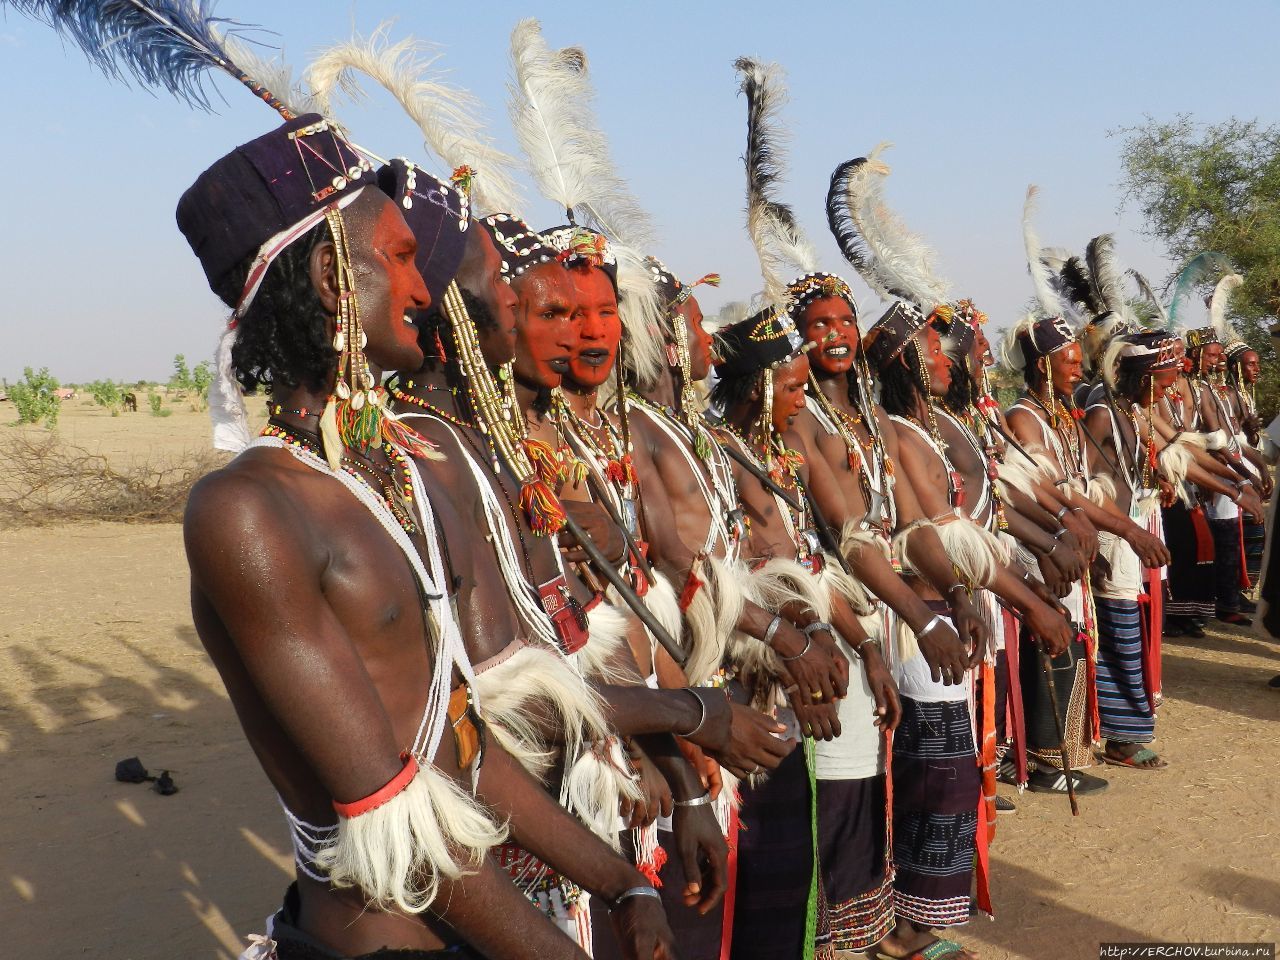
{"x":980,"y":99}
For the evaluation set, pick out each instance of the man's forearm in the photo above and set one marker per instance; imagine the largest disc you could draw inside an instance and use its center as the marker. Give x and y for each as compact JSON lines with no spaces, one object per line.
{"x":633,"y":711}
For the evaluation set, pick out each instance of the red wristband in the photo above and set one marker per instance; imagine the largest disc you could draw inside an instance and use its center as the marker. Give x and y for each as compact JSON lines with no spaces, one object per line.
{"x":388,"y":791}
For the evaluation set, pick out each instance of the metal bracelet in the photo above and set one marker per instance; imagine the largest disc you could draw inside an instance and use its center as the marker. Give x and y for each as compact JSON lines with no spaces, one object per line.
{"x":936,"y":621}
{"x":810,"y":629}
{"x":701,"y":801}
{"x":808,"y":642}
{"x":954,"y":587}
{"x":645,"y":891}
{"x":702,"y":704}
{"x":770,"y":630}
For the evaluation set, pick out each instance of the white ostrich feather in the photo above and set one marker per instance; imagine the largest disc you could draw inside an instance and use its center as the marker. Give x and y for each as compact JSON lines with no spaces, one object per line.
{"x":551,"y":105}
{"x":1041,"y":278}
{"x":447,"y":115}
{"x":1218,"y":305}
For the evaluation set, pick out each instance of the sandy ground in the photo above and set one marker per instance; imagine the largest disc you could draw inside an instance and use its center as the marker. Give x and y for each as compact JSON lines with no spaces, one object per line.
{"x":99,"y":662}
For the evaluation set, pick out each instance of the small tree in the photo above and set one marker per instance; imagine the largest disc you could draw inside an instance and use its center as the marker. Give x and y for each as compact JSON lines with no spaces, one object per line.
{"x":36,"y":398}
{"x":180,"y":382}
{"x":106,"y":393}
{"x":201,"y":377}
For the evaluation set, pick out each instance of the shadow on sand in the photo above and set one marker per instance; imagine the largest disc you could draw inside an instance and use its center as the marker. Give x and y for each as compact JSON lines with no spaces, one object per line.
{"x":95,"y":868}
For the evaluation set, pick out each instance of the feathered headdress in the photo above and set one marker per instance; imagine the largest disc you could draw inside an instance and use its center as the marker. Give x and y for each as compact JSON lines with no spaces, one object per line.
{"x":1150,"y":295}
{"x":448,"y":116}
{"x":551,"y":110}
{"x":551,"y":106}
{"x":166,"y":44}
{"x":781,"y":247}
{"x":1200,"y":271}
{"x":1042,"y":277}
{"x":1107,"y":278}
{"x":172,"y":45}
{"x":894,"y":262}
{"x":1218,"y":307}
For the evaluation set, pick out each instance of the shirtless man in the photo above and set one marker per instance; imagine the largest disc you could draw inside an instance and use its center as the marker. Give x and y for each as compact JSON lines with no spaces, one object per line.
{"x":929,"y":893}
{"x":761,"y":390}
{"x":310,"y":598}
{"x":1126,"y":424}
{"x":852,"y":451}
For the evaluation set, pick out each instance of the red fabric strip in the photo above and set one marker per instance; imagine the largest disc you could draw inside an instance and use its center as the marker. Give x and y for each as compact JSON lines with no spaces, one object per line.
{"x":1015,"y":719}
{"x":731,"y":890}
{"x":1204,"y":536}
{"x":987,"y":797}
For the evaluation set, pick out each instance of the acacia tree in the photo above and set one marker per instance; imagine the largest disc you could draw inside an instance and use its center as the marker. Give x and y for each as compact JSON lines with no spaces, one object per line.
{"x":1216,"y":187}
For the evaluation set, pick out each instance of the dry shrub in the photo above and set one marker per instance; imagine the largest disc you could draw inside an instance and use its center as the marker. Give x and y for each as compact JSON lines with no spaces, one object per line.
{"x":43,"y":480}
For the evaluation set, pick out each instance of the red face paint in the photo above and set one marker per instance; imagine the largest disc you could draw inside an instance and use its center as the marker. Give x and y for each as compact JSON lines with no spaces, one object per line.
{"x":597,"y":326}
{"x":387,"y":283}
{"x":829,"y":322}
{"x":544,"y":330}
{"x":788,"y":391}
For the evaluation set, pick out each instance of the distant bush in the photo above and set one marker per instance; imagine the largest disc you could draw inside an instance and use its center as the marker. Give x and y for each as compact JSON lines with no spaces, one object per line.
{"x":36,"y":398}
{"x":155,"y":401}
{"x":191,"y":384}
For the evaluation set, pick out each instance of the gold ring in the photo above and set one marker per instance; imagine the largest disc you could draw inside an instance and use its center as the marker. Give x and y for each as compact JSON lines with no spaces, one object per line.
{"x":816,"y":696}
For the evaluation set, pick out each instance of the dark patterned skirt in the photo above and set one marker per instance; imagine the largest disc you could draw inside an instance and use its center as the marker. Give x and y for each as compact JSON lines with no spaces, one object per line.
{"x":936,"y":785}
{"x":1228,"y":565}
{"x":1255,"y":540}
{"x":775,"y":910}
{"x":1071,"y":685}
{"x":1191,"y":585}
{"x":857,"y":879}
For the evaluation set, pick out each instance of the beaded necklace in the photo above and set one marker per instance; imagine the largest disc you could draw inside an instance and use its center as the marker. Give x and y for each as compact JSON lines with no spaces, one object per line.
{"x":1063,"y":423}
{"x":399,"y":498}
{"x":783,"y":468}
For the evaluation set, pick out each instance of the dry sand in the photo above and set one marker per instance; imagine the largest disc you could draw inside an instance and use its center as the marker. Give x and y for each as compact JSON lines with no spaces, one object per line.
{"x":99,"y":662}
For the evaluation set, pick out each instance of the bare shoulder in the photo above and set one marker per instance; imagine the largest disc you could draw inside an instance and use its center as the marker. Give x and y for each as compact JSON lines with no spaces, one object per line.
{"x":245,"y":498}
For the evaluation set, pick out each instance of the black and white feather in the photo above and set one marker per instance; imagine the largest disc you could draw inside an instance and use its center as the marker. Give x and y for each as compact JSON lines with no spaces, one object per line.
{"x":1149,"y":295}
{"x":551,"y":102}
{"x":1108,"y":278}
{"x":901,"y":264}
{"x":164,"y":44}
{"x":781,"y":246}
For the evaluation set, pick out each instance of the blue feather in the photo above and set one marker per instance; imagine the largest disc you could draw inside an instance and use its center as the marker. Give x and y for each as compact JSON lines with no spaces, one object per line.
{"x":1200,"y":270}
{"x":165,"y":44}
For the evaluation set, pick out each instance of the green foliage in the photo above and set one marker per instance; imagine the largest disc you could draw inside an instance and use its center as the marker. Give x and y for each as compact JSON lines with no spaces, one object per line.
{"x":191,"y":383}
{"x":106,"y":393}
{"x":1216,"y":187}
{"x":35,"y":397}
{"x":156,"y":403}
{"x":181,"y":379}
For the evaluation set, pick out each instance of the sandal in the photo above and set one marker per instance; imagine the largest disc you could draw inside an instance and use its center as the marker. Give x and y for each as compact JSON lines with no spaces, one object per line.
{"x":1136,"y":760}
{"x":938,"y":950}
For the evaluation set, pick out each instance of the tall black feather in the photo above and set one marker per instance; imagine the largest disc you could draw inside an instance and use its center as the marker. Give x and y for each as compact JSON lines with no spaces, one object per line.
{"x":1075,"y":285}
{"x":840,"y":218}
{"x":167,"y":44}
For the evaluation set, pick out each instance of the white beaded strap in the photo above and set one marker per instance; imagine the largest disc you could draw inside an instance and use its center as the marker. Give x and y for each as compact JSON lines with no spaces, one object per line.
{"x":449,"y":649}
